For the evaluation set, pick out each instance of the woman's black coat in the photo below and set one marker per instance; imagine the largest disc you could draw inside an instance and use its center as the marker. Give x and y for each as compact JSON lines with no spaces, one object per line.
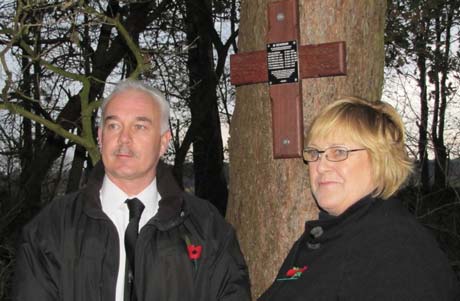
{"x":376,"y":250}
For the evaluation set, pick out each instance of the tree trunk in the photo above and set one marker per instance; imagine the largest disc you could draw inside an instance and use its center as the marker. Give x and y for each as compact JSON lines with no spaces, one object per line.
{"x":210,"y":182}
{"x":421,"y":42}
{"x":270,"y":199}
{"x":27,"y":154}
{"x":76,"y":170}
{"x":443,"y":69}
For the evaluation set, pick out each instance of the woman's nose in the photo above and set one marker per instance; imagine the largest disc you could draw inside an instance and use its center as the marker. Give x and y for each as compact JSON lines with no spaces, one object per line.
{"x":323,"y":164}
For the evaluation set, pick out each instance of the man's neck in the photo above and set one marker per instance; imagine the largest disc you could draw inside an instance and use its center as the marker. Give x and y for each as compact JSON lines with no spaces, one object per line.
{"x":132,"y":187}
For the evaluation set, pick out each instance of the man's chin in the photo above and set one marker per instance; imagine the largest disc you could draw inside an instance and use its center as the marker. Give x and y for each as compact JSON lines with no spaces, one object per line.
{"x":122,"y":173}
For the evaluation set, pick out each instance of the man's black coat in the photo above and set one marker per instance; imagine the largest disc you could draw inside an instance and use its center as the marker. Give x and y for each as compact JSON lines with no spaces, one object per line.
{"x":70,"y":251}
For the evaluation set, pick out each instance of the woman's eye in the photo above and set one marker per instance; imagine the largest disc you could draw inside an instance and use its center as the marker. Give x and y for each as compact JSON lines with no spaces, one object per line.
{"x":312,"y":153}
{"x":340,"y":152}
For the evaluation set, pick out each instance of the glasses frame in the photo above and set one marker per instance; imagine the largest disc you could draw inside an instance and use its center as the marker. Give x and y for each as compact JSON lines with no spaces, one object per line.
{"x":320,"y":152}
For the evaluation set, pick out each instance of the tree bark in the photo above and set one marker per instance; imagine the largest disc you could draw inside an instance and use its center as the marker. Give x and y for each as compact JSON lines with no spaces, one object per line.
{"x":421,"y":41}
{"x":270,"y":199}
{"x":210,"y":182}
{"x":76,"y":170}
{"x":443,"y":27}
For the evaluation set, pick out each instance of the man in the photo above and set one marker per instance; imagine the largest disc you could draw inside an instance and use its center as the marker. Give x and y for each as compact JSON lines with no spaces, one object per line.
{"x":131,"y":233}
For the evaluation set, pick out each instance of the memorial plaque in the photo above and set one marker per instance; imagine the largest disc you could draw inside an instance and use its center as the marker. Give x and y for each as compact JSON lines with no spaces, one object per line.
{"x":282,"y":63}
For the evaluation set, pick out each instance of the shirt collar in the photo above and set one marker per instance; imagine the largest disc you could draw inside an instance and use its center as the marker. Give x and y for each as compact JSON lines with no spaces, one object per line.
{"x":150,"y":198}
{"x":113,"y":198}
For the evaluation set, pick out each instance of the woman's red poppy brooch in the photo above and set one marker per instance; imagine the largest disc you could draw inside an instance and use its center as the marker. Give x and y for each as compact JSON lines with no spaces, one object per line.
{"x":294,"y":273}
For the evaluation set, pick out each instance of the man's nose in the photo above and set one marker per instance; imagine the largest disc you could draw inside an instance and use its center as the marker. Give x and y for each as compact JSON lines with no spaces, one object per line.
{"x":125,"y":136}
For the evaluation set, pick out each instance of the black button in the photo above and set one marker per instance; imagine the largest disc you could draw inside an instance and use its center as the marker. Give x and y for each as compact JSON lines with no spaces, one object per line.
{"x":313,"y":246}
{"x":317,"y":231}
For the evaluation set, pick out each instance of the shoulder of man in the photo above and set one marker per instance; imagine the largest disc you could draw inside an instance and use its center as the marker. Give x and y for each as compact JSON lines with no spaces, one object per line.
{"x":203,"y":212}
{"x":231,"y":277}
{"x":50,"y":220}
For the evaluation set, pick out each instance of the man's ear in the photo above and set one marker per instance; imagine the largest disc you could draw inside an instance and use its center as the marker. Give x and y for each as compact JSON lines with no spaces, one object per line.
{"x":164,"y":141}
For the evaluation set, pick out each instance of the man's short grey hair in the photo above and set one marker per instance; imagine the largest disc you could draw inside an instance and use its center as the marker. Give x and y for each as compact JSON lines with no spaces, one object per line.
{"x":156,"y":95}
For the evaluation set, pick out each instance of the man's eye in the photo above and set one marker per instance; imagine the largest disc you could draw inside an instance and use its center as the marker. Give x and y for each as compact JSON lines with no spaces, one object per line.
{"x":140,"y":127}
{"x":112,"y":126}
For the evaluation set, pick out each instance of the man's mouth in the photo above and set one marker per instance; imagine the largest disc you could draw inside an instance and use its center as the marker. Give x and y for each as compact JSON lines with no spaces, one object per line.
{"x":124,"y":152}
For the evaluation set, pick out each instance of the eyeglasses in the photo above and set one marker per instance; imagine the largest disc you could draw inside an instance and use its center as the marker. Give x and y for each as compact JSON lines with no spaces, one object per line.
{"x":333,"y":153}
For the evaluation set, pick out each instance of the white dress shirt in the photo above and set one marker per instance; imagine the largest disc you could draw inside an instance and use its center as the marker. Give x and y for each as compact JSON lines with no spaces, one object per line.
{"x":114,"y":206}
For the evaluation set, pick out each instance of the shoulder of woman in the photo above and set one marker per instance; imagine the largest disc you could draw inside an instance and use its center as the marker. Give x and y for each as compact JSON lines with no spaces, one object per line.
{"x":390,"y":226}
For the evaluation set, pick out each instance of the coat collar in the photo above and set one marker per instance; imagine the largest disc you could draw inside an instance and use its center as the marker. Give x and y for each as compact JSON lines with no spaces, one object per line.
{"x":171,"y":211}
{"x":328,"y":226}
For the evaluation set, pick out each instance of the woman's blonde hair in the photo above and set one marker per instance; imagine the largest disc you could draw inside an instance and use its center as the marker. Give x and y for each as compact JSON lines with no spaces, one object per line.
{"x":378,"y":128}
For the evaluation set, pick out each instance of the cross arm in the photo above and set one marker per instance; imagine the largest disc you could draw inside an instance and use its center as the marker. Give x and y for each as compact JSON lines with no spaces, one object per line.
{"x":318,"y":60}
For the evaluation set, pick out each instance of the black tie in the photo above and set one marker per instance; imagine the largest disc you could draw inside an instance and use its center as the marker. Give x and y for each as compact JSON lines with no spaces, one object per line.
{"x":135,"y":210}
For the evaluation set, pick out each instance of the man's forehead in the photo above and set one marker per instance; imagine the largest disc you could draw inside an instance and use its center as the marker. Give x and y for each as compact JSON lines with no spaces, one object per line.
{"x":143,"y":118}
{"x":129,"y":105}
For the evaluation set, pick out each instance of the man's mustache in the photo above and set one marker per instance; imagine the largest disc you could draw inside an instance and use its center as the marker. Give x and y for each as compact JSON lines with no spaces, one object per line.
{"x":125,"y":151}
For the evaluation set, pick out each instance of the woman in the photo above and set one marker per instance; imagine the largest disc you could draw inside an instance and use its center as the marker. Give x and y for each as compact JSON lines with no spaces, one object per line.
{"x":364,"y":245}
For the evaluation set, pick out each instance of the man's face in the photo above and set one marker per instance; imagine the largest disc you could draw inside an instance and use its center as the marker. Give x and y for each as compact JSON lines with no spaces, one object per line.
{"x":130,"y":139}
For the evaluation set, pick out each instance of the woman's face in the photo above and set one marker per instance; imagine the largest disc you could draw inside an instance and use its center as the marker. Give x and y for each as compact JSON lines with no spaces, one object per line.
{"x":338,"y":185}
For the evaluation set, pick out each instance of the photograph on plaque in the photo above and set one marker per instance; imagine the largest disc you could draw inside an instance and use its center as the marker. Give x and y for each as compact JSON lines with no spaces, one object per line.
{"x":282,"y":63}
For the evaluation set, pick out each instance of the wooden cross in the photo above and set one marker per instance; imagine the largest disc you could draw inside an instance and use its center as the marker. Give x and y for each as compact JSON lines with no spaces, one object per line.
{"x":282,"y":65}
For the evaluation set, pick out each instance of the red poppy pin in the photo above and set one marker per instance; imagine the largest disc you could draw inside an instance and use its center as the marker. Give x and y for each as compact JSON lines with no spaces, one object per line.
{"x":194,"y":251}
{"x":294,"y":273}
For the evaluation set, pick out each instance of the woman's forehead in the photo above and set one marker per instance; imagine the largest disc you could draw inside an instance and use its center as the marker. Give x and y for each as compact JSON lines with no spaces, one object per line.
{"x":334,"y":138}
